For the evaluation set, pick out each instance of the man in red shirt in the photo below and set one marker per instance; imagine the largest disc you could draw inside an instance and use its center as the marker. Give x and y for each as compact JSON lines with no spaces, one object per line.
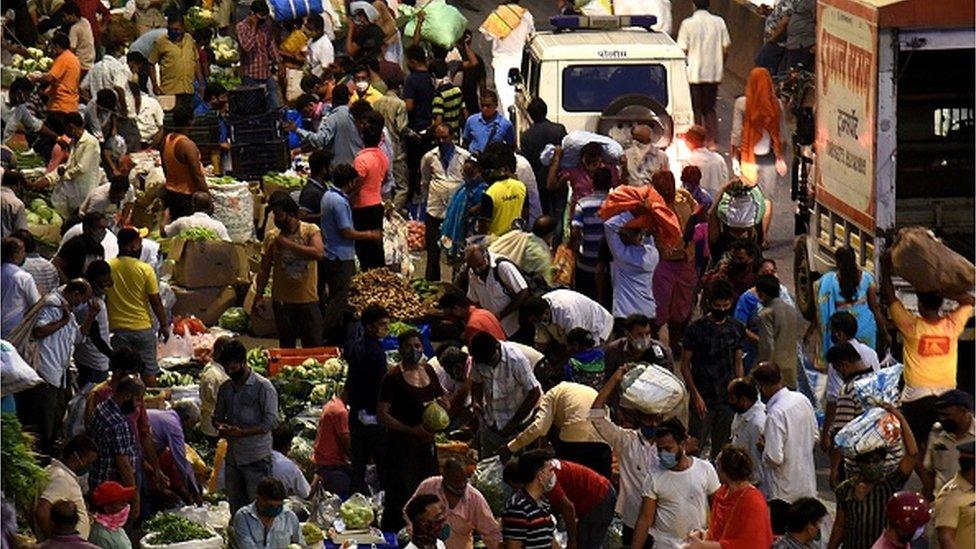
{"x":584,"y":498}
{"x":372,"y":166}
{"x":259,"y":54}
{"x":332,"y":448}
{"x":459,"y":308}
{"x":91,"y":10}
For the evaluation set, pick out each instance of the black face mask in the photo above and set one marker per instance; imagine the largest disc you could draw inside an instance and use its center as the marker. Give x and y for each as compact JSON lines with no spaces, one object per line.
{"x":236,"y":375}
{"x":127,"y":407}
{"x":720,"y":314}
{"x":949,"y":425}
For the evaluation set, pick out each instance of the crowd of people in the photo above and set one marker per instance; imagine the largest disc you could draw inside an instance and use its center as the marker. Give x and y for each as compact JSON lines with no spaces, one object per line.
{"x":546,"y":306}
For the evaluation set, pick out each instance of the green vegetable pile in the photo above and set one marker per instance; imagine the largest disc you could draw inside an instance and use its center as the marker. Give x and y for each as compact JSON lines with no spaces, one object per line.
{"x":21,"y":478}
{"x":167,"y":528}
{"x":34,"y":61}
{"x":198,"y":18}
{"x":39,"y":212}
{"x":29,"y":160}
{"x":316,"y":372}
{"x":222,"y":180}
{"x":426,"y":290}
{"x":234,"y":319}
{"x":169,"y":378}
{"x":301,"y":453}
{"x":356,"y":512}
{"x":225,"y":76}
{"x":258,"y":359}
{"x":283,"y":180}
{"x":199,"y":233}
{"x":312,"y":533}
{"x":399,"y":328}
{"x":225,"y":51}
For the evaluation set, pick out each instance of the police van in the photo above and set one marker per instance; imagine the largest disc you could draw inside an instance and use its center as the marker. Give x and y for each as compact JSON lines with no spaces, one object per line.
{"x":604,"y":74}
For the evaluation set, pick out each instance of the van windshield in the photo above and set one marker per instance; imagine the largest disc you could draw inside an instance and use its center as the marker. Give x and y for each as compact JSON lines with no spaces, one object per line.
{"x":592,"y":87}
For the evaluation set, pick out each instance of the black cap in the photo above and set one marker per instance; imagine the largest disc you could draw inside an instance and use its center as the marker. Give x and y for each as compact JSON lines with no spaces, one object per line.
{"x":955,"y":397}
{"x":127,"y":236}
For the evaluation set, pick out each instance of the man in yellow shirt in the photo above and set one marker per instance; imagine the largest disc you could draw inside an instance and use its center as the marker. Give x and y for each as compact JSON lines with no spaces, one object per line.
{"x":955,"y":519}
{"x":930,"y":342}
{"x":179,"y":62}
{"x":133,"y":285}
{"x":504,"y":201}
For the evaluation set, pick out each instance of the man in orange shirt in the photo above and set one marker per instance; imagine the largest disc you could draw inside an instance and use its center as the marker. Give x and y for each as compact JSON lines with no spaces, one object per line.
{"x":459,"y":309}
{"x":371,"y":164}
{"x":930,"y":346}
{"x":332,"y":448}
{"x":181,"y":164}
{"x":63,"y":79}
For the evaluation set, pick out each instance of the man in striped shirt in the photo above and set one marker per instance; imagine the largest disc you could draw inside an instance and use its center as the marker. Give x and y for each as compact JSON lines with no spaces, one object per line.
{"x":448,"y":99}
{"x":587,"y":233}
{"x":527,"y":522}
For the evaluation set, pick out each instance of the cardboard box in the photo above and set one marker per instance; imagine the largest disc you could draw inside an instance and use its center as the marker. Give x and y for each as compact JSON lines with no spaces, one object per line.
{"x":207,"y":304}
{"x":262,"y":321}
{"x":208,"y":263}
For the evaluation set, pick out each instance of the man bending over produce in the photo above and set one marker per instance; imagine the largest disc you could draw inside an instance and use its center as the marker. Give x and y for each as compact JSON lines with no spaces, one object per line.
{"x":202,"y":218}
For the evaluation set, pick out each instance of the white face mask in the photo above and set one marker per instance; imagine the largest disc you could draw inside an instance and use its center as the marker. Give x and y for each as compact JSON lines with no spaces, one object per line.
{"x":550,"y":482}
{"x":362,"y":85}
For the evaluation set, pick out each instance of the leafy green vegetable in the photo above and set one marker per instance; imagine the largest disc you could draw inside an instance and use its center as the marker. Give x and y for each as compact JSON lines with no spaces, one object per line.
{"x":170,"y":378}
{"x":234,"y":319}
{"x":222,"y":180}
{"x":21,"y":478}
{"x":199,"y":233}
{"x":312,"y":533}
{"x":356,"y":512}
{"x":258,"y":359}
{"x":283,"y":180}
{"x":199,"y":18}
{"x":399,"y":327}
{"x":167,"y":528}
{"x":435,"y":417}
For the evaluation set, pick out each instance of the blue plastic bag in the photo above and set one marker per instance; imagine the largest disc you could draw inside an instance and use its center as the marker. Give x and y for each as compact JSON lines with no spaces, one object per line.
{"x":874,"y":429}
{"x":878,"y":387}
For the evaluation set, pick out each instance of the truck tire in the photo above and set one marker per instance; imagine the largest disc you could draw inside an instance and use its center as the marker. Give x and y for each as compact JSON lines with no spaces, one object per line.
{"x":803,"y":279}
{"x":629,"y":110}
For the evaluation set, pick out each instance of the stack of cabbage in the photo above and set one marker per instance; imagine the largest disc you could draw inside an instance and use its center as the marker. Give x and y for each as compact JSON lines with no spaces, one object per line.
{"x":20,"y":65}
{"x":199,"y":18}
{"x":40,"y":213}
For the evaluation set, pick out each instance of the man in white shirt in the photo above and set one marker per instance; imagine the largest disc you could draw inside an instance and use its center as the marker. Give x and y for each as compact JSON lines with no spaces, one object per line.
{"x":201,"y":218}
{"x":19,"y":290}
{"x":320,"y":53}
{"x":109,"y":199}
{"x":112,"y":72}
{"x":843,"y":329}
{"x":495,"y":284}
{"x":80,"y":35}
{"x":441,"y":172}
{"x":714,"y":170}
{"x":788,"y":441}
{"x":642,"y":159}
{"x":748,"y":423}
{"x":506,"y":51}
{"x":705,"y":39}
{"x":81,"y":173}
{"x":562,"y":310}
{"x":676,"y":493}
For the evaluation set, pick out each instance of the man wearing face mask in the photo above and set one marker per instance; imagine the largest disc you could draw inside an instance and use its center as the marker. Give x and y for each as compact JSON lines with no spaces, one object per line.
{"x":74,"y":179}
{"x":111,"y":508}
{"x":675,"y":493}
{"x":803,"y":530}
{"x":109,"y":429}
{"x":65,"y":477}
{"x":19,"y":290}
{"x":954,"y":507}
{"x":748,"y":423}
{"x":642,"y":159}
{"x":861,"y":499}
{"x":362,"y":89}
{"x":907,"y":515}
{"x":428,"y":523}
{"x":134,"y":284}
{"x":265,"y":523}
{"x":955,"y":427}
{"x":559,"y":311}
{"x":259,"y":53}
{"x":179,"y":63}
{"x":441,"y":173}
{"x":466,"y":509}
{"x":527,"y":521}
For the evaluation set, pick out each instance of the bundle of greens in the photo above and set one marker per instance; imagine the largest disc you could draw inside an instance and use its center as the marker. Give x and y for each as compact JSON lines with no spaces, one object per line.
{"x":283,"y":180}
{"x":167,"y":528}
{"x":21,"y":478}
{"x":199,"y":233}
{"x":258,"y":359}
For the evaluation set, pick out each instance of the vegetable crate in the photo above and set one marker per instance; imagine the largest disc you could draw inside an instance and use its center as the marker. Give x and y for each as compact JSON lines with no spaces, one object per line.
{"x":248,"y":100}
{"x":260,"y":128}
{"x":253,"y":160}
{"x":204,"y":131}
{"x":282,"y":358}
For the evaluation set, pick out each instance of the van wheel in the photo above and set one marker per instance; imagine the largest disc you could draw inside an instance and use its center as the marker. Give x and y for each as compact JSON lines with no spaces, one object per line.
{"x":630,"y":110}
{"x":803,"y":279}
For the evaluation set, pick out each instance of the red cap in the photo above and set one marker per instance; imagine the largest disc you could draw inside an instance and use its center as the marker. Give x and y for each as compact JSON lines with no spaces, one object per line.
{"x":110,"y":492}
{"x":908,"y":510}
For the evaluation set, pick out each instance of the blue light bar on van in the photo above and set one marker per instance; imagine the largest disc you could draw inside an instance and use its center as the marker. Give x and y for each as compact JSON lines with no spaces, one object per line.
{"x":601,"y":22}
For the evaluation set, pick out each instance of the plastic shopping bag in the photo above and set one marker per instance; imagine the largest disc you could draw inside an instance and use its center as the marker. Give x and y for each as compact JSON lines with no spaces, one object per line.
{"x":16,"y":375}
{"x":651,"y":389}
{"x":872,"y":430}
{"x":488,"y":480}
{"x":575,"y":141}
{"x":878,"y":387}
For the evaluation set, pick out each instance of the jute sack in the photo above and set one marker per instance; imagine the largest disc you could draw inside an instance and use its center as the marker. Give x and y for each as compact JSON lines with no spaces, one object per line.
{"x":929,"y":265}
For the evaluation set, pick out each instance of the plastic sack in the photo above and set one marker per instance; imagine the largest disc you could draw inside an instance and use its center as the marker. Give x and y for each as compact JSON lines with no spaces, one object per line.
{"x":286,"y":10}
{"x":234,"y":207}
{"x":356,"y":513}
{"x":15,"y":374}
{"x":396,"y":249}
{"x":929,"y":265}
{"x":742,"y":210}
{"x":324,"y":508}
{"x":443,"y":24}
{"x":212,"y":516}
{"x":213,"y":542}
{"x":502,"y":21}
{"x":178,"y":346}
{"x":487,"y":478}
{"x":575,"y":141}
{"x":662,"y":221}
{"x":872,"y":430}
{"x":878,"y":387}
{"x":651,"y":389}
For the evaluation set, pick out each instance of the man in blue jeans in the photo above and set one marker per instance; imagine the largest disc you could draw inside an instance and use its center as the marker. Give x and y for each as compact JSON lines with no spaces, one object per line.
{"x":259,"y":54}
{"x":245,"y":414}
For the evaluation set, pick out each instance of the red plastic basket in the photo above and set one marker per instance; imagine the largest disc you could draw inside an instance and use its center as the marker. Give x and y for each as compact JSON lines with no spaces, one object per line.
{"x":282,"y":358}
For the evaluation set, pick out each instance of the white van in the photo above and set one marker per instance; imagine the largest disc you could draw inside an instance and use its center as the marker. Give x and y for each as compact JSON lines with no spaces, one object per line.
{"x":595,"y":75}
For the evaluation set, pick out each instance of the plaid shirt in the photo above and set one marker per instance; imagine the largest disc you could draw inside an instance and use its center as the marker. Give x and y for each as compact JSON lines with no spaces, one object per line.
{"x":505,"y":385}
{"x":259,"y":55}
{"x":112,"y":435}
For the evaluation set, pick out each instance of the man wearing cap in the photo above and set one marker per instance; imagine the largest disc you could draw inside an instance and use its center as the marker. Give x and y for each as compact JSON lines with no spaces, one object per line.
{"x":955,"y":427}
{"x":954,"y":507}
{"x":134,"y":285}
{"x":907,"y":514}
{"x":111,"y":503}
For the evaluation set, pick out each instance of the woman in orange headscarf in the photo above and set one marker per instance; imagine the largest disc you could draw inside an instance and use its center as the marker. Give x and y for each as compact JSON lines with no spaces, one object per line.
{"x":759,"y":138}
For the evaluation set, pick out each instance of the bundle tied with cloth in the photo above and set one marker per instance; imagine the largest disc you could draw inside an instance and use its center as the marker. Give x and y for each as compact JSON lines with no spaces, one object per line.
{"x":503,"y":20}
{"x":443,"y":24}
{"x":929,"y":265}
{"x":650,"y":211}
{"x":875,"y":428}
{"x":652,"y":390}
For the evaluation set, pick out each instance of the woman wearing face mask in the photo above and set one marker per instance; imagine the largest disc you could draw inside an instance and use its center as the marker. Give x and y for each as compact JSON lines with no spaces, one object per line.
{"x":410,"y":455}
{"x":861,"y":499}
{"x":265,"y":523}
{"x":740,"y":516}
{"x":111,"y":502}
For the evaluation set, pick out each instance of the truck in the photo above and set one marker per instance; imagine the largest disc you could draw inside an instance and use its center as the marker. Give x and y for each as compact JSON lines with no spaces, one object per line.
{"x":893,"y":135}
{"x":603,"y":74}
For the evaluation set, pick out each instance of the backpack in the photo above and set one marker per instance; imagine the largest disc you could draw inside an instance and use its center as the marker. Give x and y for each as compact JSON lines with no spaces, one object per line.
{"x":536,"y":283}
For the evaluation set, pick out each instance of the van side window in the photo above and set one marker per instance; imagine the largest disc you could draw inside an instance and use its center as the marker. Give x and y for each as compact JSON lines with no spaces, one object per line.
{"x":591,"y":88}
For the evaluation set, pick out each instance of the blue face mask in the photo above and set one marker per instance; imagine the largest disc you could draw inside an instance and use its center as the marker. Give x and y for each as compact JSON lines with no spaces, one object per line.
{"x":272,"y":511}
{"x":668,"y":460}
{"x":174,"y":36}
{"x":648,"y":431}
{"x":445,"y":532}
